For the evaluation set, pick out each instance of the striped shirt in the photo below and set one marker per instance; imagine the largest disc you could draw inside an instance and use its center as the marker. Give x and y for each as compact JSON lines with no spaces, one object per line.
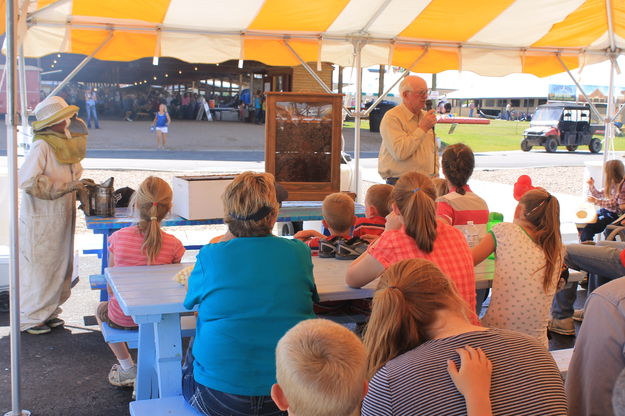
{"x":525,"y":379}
{"x":617,"y":198}
{"x":459,"y":209}
{"x":125,"y":245}
{"x":451,"y":254}
{"x":369,"y":225}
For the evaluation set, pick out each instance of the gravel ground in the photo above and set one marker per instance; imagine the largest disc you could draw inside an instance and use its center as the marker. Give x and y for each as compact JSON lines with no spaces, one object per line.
{"x":564,"y":180}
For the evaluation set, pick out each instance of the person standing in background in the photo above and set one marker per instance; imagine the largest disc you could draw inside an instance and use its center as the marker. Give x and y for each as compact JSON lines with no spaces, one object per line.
{"x":91,"y":99}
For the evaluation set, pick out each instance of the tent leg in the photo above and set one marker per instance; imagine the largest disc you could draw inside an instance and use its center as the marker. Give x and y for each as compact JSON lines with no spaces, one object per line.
{"x":314,"y":75}
{"x":10,"y":120}
{"x":608,"y":145}
{"x":579,"y":87}
{"x":80,"y":66}
{"x":23,"y":90}
{"x":357,"y":115}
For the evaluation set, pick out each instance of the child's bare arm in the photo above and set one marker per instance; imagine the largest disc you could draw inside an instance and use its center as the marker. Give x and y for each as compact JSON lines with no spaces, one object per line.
{"x":473,"y":380}
{"x":307,"y":234}
{"x":483,"y":250}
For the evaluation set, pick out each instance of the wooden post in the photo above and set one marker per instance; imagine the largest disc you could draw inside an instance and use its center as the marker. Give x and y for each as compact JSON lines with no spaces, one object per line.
{"x":340,"y":89}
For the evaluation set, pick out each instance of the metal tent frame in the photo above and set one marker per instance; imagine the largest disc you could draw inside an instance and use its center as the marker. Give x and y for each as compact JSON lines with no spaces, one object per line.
{"x":13,"y":39}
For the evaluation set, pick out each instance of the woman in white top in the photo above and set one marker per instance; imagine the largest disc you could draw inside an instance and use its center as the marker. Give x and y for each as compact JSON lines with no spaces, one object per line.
{"x":529,"y":256}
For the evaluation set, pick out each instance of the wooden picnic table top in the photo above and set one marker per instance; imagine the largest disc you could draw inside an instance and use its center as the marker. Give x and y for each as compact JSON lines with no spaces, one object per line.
{"x":290,"y":211}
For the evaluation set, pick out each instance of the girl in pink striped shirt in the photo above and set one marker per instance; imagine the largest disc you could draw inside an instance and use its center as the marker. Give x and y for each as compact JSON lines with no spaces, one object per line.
{"x":139,"y":245}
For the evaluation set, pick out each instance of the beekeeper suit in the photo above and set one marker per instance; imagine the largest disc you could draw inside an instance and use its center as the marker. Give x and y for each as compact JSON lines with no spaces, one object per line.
{"x":49,"y":177}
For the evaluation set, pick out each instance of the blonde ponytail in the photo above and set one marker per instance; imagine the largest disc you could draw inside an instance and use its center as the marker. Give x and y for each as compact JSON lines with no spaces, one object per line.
{"x":404,"y":308}
{"x":414,"y":194}
{"x":152,"y":201}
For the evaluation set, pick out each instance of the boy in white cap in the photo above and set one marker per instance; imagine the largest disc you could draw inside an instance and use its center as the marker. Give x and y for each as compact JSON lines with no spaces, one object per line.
{"x":49,"y":177}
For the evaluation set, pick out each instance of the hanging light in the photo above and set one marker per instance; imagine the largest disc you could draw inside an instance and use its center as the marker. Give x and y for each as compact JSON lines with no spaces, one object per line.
{"x":55,"y":61}
{"x":179,"y":71}
{"x":240,"y":63}
{"x":154,"y":78}
{"x":166,"y":75}
{"x":58,"y":55}
{"x":155,"y":61}
{"x":195,"y":69}
{"x":217,"y":64}
{"x":135,"y":83}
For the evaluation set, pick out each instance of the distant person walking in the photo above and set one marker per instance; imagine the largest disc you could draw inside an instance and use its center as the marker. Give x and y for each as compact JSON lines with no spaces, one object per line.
{"x":91,"y":99}
{"x":471,"y":108}
{"x":161,"y":126}
{"x":508,"y":111}
{"x":258,"y":106}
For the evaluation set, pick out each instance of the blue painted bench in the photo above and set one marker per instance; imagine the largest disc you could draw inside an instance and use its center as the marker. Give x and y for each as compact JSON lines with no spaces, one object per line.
{"x":131,"y":336}
{"x":169,"y":406}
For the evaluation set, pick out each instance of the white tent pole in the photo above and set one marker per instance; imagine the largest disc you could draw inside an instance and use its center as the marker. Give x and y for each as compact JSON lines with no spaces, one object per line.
{"x":609,"y":132}
{"x":314,"y":75}
{"x":23,"y":91}
{"x":608,"y":12}
{"x":80,"y":66}
{"x":403,"y":75}
{"x":579,"y":87}
{"x":10,"y":120}
{"x":357,"y":115}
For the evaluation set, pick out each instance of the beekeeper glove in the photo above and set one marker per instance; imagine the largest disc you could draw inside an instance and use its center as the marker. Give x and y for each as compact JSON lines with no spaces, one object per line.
{"x":42,"y":187}
{"x":88,"y":182}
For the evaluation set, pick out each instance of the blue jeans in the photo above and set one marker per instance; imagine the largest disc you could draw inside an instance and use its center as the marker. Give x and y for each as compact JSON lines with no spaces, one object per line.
{"x":601,"y":261}
{"x":604,"y":218}
{"x":92,"y":113}
{"x":216,"y":403}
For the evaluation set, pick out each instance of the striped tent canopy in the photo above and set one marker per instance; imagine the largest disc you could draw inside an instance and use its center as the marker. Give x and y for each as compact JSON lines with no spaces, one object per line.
{"x":487,"y":37}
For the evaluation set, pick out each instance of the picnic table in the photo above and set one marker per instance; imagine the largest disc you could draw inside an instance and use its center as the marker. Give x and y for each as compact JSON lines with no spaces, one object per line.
{"x":155,"y":301}
{"x":289,"y":212}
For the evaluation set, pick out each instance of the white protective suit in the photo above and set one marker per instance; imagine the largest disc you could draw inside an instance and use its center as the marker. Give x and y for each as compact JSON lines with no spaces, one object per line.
{"x":46,"y":230}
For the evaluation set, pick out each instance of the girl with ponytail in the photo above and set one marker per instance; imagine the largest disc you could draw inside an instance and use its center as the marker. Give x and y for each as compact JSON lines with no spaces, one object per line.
{"x":139,"y":245}
{"x":529,"y":256}
{"x":419,"y":332}
{"x":413,"y":231}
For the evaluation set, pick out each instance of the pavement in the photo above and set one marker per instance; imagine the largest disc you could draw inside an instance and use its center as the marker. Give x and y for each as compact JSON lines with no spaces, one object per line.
{"x":65,"y":373}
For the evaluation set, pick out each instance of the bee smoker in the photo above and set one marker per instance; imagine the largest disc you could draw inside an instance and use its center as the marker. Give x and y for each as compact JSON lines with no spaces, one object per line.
{"x":98,"y":199}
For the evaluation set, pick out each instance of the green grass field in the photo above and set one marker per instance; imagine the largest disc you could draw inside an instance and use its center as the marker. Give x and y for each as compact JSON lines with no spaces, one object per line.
{"x":498,"y":135}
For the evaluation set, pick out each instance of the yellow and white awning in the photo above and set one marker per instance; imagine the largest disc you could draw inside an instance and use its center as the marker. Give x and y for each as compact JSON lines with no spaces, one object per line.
{"x":487,"y":37}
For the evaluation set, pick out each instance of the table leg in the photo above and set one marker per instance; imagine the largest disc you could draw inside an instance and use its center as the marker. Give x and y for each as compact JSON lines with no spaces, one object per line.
{"x":145,"y":362}
{"x":104,"y":296}
{"x":169,"y":355}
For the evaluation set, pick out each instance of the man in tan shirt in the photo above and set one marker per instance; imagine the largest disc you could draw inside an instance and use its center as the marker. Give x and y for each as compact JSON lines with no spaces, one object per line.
{"x":408,"y":141}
